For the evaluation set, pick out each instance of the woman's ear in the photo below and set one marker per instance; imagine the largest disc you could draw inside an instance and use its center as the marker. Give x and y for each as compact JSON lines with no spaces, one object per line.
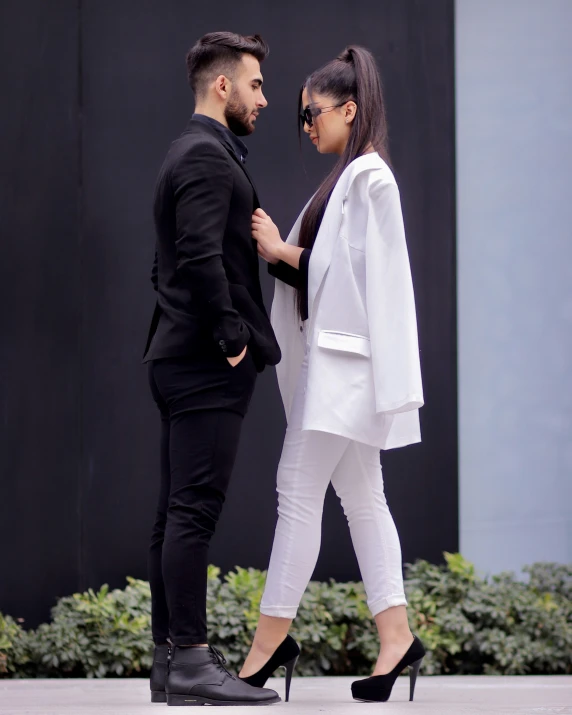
{"x":350,"y":111}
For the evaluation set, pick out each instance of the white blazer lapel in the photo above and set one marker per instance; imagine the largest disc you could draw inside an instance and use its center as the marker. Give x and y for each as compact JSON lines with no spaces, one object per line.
{"x":323,"y":249}
{"x":329,"y":230}
{"x":285,"y":321}
{"x":294,"y":234}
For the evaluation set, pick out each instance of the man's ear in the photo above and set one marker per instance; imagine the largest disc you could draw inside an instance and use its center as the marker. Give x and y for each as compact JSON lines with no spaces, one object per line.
{"x":222,"y":86}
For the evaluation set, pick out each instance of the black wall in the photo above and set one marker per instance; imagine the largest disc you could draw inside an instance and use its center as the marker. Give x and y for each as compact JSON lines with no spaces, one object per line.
{"x":94,"y":92}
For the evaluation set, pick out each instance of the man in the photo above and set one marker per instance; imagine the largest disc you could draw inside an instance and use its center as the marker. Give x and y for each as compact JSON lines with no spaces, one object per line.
{"x":209,"y":336}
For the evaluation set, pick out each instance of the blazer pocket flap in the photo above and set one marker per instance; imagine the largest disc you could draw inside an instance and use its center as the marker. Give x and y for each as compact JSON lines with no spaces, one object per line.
{"x":344,"y":342}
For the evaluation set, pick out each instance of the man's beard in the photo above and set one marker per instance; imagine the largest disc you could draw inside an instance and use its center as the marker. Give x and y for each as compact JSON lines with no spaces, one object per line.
{"x":237,"y":116}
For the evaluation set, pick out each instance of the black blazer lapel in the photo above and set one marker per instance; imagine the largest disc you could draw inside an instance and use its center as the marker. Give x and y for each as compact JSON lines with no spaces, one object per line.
{"x":202,"y":126}
{"x":234,"y":156}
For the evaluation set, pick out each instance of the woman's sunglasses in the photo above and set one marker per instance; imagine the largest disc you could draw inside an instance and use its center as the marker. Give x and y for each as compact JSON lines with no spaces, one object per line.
{"x":308,"y":114}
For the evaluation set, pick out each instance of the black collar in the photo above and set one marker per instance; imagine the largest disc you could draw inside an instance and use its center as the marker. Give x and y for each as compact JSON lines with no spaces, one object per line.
{"x":238,"y":146}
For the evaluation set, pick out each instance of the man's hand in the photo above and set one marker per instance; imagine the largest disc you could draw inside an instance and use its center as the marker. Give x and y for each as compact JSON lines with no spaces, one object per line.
{"x":234,"y":361}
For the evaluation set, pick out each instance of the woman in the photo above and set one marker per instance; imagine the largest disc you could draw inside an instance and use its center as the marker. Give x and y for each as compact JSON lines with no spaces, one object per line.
{"x":344,"y":316}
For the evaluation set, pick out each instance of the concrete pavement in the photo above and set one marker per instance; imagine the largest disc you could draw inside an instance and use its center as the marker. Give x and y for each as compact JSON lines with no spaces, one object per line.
{"x":455,"y":695}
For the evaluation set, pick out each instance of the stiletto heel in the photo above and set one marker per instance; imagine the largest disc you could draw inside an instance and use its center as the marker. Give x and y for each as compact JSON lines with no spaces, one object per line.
{"x":413,"y":673}
{"x":378,"y":688}
{"x":285,"y":656}
{"x":290,"y":665}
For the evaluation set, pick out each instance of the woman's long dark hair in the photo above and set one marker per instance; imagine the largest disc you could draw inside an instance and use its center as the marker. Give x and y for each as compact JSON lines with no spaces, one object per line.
{"x":353,"y":75}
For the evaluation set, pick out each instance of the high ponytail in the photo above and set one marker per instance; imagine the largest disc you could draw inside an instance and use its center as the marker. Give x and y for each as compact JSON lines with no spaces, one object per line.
{"x":372,"y":129}
{"x":353,"y":75}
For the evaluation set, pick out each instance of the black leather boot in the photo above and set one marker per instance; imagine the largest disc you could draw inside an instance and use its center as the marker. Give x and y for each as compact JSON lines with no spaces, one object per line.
{"x":197,"y":676}
{"x":159,"y":671}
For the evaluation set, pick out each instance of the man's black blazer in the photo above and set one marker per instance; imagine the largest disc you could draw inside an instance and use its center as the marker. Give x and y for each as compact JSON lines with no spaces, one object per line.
{"x":206,"y":264}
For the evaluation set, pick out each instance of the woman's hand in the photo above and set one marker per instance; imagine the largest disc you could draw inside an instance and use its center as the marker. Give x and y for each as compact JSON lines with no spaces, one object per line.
{"x":266,"y":234}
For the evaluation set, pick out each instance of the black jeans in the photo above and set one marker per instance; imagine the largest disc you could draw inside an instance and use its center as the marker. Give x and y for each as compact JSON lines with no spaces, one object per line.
{"x":202,"y":402}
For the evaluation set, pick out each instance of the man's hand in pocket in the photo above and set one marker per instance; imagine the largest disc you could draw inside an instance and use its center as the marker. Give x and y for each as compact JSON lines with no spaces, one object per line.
{"x":234,"y":361}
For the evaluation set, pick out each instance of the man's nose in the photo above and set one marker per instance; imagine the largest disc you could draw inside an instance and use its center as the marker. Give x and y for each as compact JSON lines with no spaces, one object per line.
{"x":262,"y":102}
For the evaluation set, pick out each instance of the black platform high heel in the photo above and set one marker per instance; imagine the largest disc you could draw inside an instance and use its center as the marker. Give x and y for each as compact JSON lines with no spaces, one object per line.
{"x":378,"y":687}
{"x":285,"y":656}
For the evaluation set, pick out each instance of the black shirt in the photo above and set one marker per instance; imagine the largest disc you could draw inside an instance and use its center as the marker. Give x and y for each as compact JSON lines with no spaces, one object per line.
{"x":240,"y":148}
{"x":295,"y":277}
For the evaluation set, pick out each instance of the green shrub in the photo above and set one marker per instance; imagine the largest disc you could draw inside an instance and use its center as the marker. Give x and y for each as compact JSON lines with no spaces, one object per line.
{"x":500,"y":626}
{"x":14,"y":647}
{"x":91,"y":634}
{"x":470,"y":625}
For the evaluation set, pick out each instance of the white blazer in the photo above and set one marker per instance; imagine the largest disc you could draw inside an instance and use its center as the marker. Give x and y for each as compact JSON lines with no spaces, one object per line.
{"x":364,"y":377}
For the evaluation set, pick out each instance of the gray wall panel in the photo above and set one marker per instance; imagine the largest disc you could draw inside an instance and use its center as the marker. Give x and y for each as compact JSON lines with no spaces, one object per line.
{"x":514,"y":74}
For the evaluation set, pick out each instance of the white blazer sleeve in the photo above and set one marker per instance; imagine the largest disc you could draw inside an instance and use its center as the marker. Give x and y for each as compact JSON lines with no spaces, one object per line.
{"x":390,"y":304}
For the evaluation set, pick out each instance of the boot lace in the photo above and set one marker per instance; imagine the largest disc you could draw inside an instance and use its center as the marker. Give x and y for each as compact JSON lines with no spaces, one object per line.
{"x":219,"y":660}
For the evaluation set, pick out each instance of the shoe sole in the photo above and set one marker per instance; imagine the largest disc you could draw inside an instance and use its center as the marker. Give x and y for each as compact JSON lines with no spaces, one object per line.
{"x":196,"y":700}
{"x":158,"y":696}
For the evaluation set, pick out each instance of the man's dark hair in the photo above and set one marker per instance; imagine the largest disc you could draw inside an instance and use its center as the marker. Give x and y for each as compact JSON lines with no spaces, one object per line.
{"x":219,"y":53}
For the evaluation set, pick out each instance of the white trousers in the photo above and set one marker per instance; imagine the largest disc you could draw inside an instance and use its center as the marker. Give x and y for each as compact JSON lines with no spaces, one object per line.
{"x":310,"y":460}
